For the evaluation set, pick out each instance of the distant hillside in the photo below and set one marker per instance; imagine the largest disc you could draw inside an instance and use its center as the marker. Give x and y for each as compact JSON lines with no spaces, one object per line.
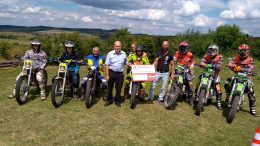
{"x":32,"y":29}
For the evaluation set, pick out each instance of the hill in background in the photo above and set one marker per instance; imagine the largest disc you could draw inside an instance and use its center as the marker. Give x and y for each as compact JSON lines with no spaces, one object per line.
{"x":103,"y":34}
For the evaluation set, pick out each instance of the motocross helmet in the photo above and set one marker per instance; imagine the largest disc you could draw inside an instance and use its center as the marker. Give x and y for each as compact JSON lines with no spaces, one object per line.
{"x":69,"y":45}
{"x":138,"y":49}
{"x":212,"y":50}
{"x":36,"y":44}
{"x":243,"y":50}
{"x":184,"y":47}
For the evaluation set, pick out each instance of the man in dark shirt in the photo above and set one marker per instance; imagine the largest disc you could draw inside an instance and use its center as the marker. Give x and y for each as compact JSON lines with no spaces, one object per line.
{"x":161,"y":63}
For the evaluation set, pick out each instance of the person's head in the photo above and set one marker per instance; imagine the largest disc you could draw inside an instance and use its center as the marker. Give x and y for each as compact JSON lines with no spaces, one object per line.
{"x":212,"y":50}
{"x":133,"y":47}
{"x":243,"y":50}
{"x":165,"y":45}
{"x":117,"y":46}
{"x":36,"y":46}
{"x":96,"y":51}
{"x":139,"y":50}
{"x":184,"y":46}
{"x":69,"y":46}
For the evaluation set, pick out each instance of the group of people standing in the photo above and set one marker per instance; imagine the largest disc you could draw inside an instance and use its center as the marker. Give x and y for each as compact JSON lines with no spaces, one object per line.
{"x":115,"y":60}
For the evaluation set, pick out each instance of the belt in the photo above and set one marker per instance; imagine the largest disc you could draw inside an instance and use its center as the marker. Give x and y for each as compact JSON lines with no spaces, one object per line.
{"x":162,"y":71}
{"x":115,"y":71}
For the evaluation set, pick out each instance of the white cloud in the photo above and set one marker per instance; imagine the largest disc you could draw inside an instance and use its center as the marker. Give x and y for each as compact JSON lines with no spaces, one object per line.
{"x":201,"y":20}
{"x":87,"y":19}
{"x":147,"y":14}
{"x":188,"y":8}
{"x":242,"y":9}
{"x":4,"y":14}
{"x":32,"y":10}
{"x":255,"y":14}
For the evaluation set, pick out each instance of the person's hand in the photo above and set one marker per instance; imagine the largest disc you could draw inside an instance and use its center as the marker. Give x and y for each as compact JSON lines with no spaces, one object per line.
{"x":237,"y":69}
{"x":172,"y":76}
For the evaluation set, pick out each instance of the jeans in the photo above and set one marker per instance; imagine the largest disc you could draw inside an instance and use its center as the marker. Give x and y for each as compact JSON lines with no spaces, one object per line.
{"x":159,"y":76}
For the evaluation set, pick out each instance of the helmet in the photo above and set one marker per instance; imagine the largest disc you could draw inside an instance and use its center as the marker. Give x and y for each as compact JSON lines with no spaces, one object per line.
{"x":212,"y":50}
{"x":243,"y":50}
{"x":139,"y":48}
{"x":35,"y":42}
{"x":183,"y":47}
{"x":69,"y":44}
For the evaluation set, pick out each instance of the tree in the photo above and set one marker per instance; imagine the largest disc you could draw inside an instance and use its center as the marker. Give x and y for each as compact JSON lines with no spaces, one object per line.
{"x":229,"y":37}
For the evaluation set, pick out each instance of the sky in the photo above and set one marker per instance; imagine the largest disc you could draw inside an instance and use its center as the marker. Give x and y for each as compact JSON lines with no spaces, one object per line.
{"x":154,"y":17}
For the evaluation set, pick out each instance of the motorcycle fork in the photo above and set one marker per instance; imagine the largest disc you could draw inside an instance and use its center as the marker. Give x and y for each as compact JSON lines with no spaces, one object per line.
{"x":64,"y":82}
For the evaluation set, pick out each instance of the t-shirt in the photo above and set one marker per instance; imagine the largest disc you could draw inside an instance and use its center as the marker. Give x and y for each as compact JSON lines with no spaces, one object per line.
{"x":163,"y":61}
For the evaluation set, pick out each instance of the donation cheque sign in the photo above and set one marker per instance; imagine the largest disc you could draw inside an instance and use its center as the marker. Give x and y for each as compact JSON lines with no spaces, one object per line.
{"x":143,"y":73}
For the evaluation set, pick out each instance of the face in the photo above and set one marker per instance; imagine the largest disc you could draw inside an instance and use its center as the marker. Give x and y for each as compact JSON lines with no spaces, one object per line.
{"x":139,"y":53}
{"x":35,"y":48}
{"x":165,"y":45}
{"x":69,"y":49}
{"x":117,"y":46}
{"x":133,"y":47}
{"x":96,"y":51}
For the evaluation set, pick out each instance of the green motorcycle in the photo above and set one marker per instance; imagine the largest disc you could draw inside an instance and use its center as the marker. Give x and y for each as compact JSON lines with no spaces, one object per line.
{"x":206,"y":88}
{"x":237,"y":96}
{"x":177,"y":87}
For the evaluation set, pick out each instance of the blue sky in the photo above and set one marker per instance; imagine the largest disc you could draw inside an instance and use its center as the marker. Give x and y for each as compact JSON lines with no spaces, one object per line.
{"x":157,"y":17}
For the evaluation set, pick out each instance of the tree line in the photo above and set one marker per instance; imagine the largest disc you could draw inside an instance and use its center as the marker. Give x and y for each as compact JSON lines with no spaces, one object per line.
{"x":227,"y":37}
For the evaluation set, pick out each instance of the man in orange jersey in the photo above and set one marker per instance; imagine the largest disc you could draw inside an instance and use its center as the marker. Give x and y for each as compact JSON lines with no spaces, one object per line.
{"x":185,"y":58}
{"x":216,"y":60}
{"x":243,"y":63}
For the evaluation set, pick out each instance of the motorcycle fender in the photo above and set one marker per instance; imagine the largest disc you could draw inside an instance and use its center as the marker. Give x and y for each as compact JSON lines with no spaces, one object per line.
{"x":180,"y":80}
{"x":204,"y":81}
{"x":239,"y":87}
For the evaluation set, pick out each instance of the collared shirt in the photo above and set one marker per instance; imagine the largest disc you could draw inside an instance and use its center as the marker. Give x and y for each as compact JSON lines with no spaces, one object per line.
{"x":163,"y":61}
{"x":116,"y":61}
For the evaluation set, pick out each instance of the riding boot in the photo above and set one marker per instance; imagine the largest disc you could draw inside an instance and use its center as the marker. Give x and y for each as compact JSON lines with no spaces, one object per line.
{"x":190,"y":99}
{"x":218,"y":101}
{"x":252,"y":105}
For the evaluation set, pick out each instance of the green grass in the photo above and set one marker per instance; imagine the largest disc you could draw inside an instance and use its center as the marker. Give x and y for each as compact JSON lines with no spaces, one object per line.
{"x":39,"y":123}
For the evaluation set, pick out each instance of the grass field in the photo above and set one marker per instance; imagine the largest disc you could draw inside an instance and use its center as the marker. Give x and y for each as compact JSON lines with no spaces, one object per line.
{"x":39,"y":123}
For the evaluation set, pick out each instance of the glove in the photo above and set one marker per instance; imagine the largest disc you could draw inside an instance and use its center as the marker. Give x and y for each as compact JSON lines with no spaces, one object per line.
{"x":237,"y":69}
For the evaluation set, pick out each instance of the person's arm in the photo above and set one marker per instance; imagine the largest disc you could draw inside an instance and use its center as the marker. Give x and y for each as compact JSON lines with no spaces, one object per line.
{"x":79,"y":59}
{"x":155,"y":63}
{"x":203,"y":62}
{"x":44,"y":60}
{"x":107,"y":66}
{"x":192,"y":62}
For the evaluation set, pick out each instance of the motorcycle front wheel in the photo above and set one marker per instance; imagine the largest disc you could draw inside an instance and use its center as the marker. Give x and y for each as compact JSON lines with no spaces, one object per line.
{"x":171,"y":96}
{"x":233,"y":109}
{"x":199,"y":106}
{"x":133,"y":95}
{"x":57,"y":93}
{"x":88,"y":95}
{"x":22,"y":90}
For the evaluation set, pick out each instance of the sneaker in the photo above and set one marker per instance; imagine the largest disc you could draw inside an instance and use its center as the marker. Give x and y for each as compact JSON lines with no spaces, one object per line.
{"x":107,"y":103}
{"x":150,"y":101}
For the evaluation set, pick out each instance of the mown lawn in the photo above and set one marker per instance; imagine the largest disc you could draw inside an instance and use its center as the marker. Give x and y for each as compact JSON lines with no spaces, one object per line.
{"x":39,"y":123}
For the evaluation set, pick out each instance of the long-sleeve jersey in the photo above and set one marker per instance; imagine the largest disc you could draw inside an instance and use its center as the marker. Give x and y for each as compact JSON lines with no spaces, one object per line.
{"x":39,"y":59}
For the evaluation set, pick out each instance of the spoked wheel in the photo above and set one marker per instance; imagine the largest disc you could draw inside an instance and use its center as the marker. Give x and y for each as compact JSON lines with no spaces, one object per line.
{"x":199,"y":106}
{"x":232,"y":111}
{"x":171,"y":97}
{"x":57,"y":93}
{"x":22,"y":90}
{"x":133,"y":95}
{"x":88,"y":95}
